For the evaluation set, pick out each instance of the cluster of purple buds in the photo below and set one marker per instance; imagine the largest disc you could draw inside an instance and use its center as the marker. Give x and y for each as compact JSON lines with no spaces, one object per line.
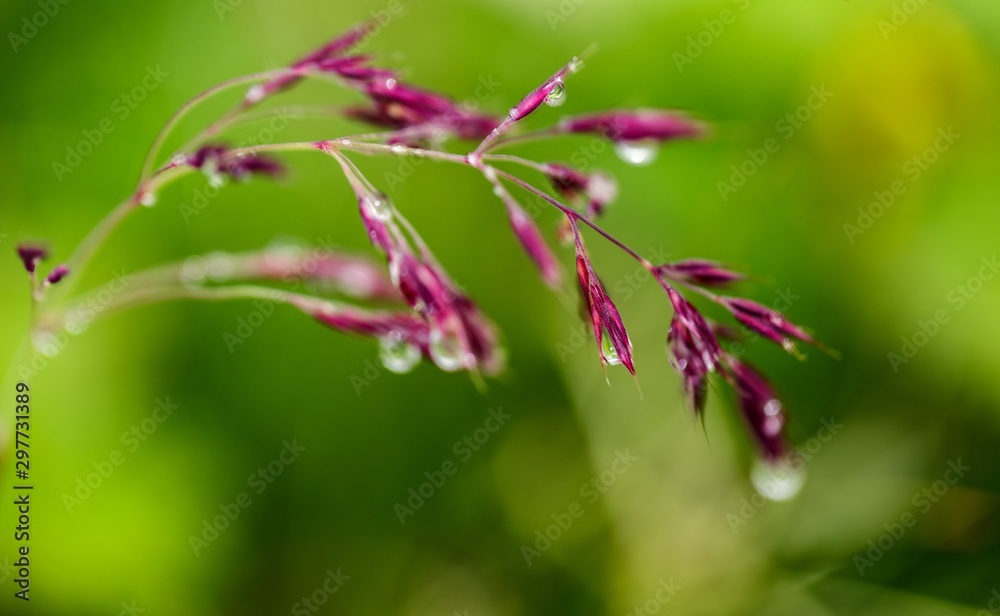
{"x":421,"y":311}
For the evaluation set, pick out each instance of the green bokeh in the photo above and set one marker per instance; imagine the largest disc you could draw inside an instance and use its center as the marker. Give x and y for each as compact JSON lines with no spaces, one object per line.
{"x":686,"y":509}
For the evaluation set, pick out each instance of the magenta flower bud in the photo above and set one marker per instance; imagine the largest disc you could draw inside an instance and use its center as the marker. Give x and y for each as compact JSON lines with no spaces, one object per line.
{"x":767,"y":322}
{"x":636,"y":126}
{"x":604,"y":315}
{"x":30,"y":255}
{"x":533,"y":243}
{"x":699,"y":272}
{"x":57,"y":274}
{"x":761,"y":410}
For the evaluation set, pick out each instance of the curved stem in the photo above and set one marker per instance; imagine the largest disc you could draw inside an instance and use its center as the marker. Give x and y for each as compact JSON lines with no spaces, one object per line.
{"x":574,"y":215}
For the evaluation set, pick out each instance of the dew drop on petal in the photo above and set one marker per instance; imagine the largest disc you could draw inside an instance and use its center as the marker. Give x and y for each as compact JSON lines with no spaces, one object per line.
{"x":772,"y":407}
{"x":255,"y":93}
{"x":390,"y":84}
{"x":575,"y":66}
{"x":609,"y":352}
{"x":396,"y":354}
{"x":446,"y":351}
{"x":637,"y":152}
{"x":778,"y":480}
{"x":378,"y":207}
{"x":398,"y":148}
{"x":557,"y":95}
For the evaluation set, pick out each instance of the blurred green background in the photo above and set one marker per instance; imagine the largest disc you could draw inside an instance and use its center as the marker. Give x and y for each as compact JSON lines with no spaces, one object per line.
{"x":685,"y":512}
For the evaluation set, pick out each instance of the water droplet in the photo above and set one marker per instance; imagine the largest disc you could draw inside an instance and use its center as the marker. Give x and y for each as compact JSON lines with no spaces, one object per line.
{"x":788,"y":344}
{"x":772,"y":408}
{"x":378,"y":206}
{"x":396,"y":354}
{"x":398,"y":148}
{"x":255,"y":93}
{"x":637,"y":152}
{"x":778,"y":480}
{"x":147,"y":199}
{"x":446,"y":351}
{"x":609,"y":351}
{"x":390,"y":84}
{"x":575,"y":66}
{"x":557,"y":95}
{"x":345,"y":142}
{"x":195,"y":269}
{"x":178,"y":160}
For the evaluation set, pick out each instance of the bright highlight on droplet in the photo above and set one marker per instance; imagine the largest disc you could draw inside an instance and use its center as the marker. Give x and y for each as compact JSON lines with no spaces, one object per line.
{"x":557,"y":95}
{"x":777,"y":481}
{"x":637,"y":153}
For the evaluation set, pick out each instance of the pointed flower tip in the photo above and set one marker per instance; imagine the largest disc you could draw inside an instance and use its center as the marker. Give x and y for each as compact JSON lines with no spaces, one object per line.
{"x":767,"y":322}
{"x":30,"y":255}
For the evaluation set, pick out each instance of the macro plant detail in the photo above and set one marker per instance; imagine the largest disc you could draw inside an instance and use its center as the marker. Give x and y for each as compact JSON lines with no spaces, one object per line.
{"x":407,"y":301}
